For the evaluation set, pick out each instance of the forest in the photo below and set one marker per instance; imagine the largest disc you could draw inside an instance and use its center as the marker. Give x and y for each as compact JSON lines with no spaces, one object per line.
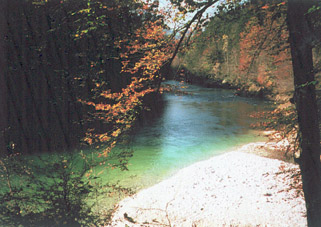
{"x":81,"y":78}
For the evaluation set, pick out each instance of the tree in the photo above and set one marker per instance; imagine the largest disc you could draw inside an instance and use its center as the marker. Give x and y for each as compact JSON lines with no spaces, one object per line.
{"x":3,"y":87}
{"x":305,"y":101}
{"x":142,"y":54}
{"x":185,"y":7}
{"x":55,"y":53}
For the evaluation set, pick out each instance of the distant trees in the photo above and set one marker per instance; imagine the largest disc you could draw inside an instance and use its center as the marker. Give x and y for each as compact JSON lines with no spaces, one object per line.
{"x":245,"y":44}
{"x":264,"y":50}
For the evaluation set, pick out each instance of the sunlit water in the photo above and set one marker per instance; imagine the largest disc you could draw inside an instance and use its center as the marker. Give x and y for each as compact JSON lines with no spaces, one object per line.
{"x":191,"y":127}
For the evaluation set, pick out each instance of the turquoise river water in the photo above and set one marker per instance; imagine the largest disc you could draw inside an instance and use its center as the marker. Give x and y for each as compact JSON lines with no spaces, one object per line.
{"x":192,"y":126}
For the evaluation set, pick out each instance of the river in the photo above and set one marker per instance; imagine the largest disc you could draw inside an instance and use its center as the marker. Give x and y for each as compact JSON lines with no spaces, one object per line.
{"x":195,"y":124}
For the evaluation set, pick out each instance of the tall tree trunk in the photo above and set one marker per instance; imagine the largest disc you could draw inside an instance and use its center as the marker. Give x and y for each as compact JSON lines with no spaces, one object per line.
{"x":3,"y":82}
{"x":305,"y":100}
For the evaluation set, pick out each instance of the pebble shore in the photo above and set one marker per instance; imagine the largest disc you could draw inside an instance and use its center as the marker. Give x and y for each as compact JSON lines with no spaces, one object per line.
{"x":237,"y":188}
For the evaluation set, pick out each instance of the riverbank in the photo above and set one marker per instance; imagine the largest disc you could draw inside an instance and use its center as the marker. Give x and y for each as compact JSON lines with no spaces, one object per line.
{"x":241,"y":89}
{"x":279,"y":94}
{"x":238,"y":188}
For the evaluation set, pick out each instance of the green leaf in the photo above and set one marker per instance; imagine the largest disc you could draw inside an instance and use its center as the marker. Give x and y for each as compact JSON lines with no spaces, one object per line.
{"x":314,"y":82}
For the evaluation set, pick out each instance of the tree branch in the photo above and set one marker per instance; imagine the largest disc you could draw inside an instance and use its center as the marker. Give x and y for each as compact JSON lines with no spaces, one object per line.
{"x":188,"y":25}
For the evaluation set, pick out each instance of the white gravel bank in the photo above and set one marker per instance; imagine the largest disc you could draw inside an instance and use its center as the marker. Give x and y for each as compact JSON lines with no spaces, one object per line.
{"x":233,"y":189}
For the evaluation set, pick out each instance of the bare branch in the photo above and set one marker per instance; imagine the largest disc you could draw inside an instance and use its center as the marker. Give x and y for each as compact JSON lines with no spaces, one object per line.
{"x":188,"y":25}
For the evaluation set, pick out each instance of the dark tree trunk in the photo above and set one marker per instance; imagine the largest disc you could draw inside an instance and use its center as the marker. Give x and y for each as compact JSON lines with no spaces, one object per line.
{"x":305,"y":100}
{"x":3,"y":83}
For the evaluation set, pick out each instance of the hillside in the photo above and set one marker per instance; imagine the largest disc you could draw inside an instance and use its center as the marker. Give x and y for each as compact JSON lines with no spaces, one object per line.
{"x":245,"y":48}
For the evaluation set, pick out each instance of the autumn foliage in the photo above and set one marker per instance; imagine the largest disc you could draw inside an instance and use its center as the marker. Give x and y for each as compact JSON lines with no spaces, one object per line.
{"x":247,"y":47}
{"x":264,"y":50}
{"x":142,"y":56}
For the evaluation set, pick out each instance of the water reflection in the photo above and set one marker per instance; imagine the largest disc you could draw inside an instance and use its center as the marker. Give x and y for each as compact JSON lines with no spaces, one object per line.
{"x":192,"y":127}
